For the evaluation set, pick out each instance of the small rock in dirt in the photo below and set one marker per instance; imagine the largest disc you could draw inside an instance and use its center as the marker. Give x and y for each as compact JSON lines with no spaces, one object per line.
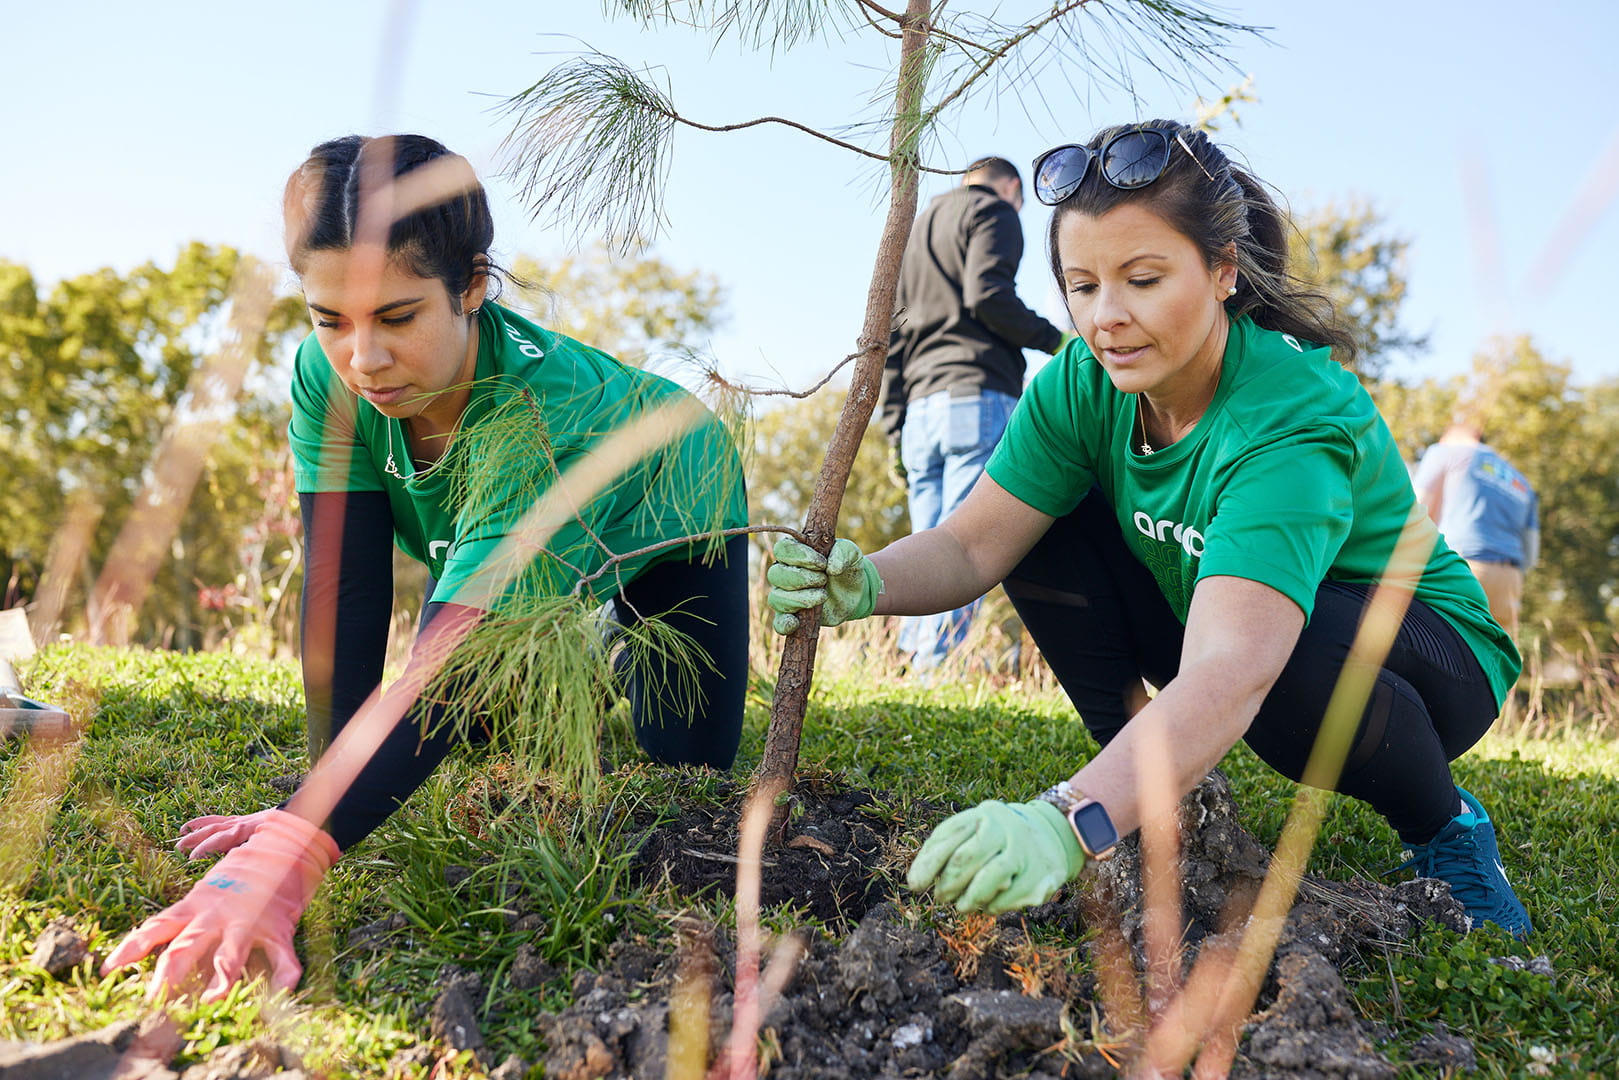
{"x":909,"y":1035}
{"x":1540,"y":965}
{"x":529,"y":923}
{"x":455,"y":875}
{"x":247,"y":1061}
{"x":411,"y":1061}
{"x":60,"y":948}
{"x":376,"y":935}
{"x":1444,"y":1047}
{"x":530,"y":969}
{"x":288,"y":784}
{"x":513,"y":1068}
{"x":138,"y":1051}
{"x":455,"y":1021}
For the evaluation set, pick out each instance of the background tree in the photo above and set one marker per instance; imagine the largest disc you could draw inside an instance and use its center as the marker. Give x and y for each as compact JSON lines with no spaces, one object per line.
{"x":591,"y":143}
{"x":99,"y":367}
{"x":1351,"y":256}
{"x":779,"y":489}
{"x":632,"y":308}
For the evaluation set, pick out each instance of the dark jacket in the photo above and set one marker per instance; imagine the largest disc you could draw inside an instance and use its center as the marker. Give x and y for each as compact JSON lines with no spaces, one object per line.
{"x":958,"y":322}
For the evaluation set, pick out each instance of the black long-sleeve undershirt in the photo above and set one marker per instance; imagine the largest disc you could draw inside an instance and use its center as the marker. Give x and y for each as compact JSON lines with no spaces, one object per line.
{"x":348,"y":598}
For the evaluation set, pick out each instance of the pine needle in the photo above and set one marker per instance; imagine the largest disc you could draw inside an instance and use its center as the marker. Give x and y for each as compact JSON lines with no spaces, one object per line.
{"x":540,"y":677}
{"x":590,"y":142}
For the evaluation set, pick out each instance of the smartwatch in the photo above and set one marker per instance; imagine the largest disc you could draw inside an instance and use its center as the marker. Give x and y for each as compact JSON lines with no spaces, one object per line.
{"x":1092,"y":826}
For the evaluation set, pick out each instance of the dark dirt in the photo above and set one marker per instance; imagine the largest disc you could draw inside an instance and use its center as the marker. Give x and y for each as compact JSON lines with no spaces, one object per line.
{"x":885,"y":995}
{"x":825,"y":866}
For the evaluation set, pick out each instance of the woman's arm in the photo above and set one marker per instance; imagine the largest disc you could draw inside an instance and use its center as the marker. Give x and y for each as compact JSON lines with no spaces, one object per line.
{"x":1239,"y":635}
{"x":347,"y":604}
{"x":392,"y":744}
{"x":961,"y":559}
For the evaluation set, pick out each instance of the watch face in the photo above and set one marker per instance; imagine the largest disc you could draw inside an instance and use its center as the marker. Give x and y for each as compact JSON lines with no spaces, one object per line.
{"x":1096,"y":832}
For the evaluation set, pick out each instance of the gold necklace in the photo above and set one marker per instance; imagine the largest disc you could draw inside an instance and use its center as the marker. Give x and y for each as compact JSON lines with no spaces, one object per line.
{"x":1141,"y":421}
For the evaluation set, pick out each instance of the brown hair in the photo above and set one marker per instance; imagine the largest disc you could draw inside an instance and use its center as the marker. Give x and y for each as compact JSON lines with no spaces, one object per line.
{"x":448,"y":238}
{"x":1221,"y":209}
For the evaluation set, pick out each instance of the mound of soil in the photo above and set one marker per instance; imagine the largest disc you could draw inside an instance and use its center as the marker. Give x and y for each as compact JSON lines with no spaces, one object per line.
{"x":979,"y":997}
{"x":828,"y":864}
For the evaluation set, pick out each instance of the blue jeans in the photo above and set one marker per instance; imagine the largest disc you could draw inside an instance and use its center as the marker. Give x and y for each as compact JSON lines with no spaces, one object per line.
{"x":944,"y":446}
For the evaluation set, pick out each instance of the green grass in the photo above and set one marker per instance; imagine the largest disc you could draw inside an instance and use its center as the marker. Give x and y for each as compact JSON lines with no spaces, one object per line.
{"x":175,"y":736}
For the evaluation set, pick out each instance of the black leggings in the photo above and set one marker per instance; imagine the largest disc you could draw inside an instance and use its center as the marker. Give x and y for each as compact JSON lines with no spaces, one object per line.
{"x":705,"y":600}
{"x":1103,"y":626}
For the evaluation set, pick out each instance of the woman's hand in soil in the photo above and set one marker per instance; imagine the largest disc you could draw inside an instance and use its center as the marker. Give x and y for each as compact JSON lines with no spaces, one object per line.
{"x":217,"y":833}
{"x":998,"y":857}
{"x":251,"y":899}
{"x":845,"y":584}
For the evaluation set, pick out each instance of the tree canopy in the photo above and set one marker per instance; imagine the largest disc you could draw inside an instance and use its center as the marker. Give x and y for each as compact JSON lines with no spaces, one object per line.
{"x":1348,"y":252}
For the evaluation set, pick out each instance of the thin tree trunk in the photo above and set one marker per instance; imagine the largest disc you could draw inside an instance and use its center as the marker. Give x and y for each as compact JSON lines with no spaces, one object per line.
{"x":780,"y":762}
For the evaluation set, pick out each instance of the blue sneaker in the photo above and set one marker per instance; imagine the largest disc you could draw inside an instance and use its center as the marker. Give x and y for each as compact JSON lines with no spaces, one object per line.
{"x":1465,"y":855}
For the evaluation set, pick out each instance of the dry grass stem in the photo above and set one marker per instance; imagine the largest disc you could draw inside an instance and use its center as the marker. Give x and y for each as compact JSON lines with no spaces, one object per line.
{"x":1160,"y":868}
{"x":144,"y":540}
{"x":740,"y":1061}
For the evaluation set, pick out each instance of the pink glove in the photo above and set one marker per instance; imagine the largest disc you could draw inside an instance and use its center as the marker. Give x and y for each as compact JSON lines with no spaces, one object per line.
{"x":218,"y":833}
{"x":251,"y":899}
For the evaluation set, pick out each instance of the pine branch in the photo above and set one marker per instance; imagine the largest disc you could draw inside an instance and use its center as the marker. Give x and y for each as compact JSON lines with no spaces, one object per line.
{"x":590,"y":143}
{"x":997,"y":54}
{"x":680,"y":541}
{"x":1179,"y":41}
{"x":773,"y":24}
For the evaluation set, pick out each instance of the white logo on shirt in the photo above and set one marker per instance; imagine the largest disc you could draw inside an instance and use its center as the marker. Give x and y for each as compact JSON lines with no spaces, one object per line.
{"x":1293,"y":341}
{"x":524,"y":345}
{"x":435,"y":546}
{"x":1189,"y":539}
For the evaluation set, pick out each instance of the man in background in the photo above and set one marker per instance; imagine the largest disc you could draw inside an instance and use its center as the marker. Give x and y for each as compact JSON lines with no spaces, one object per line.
{"x":955,"y":360}
{"x":1488,"y":512}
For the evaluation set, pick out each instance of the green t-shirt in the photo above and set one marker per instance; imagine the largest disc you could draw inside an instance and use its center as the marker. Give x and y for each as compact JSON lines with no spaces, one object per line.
{"x":1291,"y":478}
{"x":540,"y":403}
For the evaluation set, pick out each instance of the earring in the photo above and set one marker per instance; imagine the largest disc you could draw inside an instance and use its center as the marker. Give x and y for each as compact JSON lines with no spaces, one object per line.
{"x":1229,"y":293}
{"x":472,"y":313}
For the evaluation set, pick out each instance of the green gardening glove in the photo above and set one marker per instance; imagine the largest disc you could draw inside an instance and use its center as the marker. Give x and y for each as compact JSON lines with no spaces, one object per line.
{"x":844,"y":584}
{"x":998,"y":856}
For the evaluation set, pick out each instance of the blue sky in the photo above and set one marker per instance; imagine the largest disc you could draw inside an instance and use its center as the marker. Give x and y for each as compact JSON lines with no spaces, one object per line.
{"x":1483,"y":132}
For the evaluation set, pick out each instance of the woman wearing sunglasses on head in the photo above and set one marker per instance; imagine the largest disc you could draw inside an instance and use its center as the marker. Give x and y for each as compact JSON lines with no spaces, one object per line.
{"x":1195,"y":494}
{"x":427,"y":415}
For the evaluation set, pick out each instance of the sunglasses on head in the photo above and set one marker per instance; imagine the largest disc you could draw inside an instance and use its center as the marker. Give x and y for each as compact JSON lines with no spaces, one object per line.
{"x":1129,"y":160}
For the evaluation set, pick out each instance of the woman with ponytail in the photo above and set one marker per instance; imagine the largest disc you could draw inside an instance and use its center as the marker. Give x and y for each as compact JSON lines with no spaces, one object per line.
{"x":1195,"y":494}
{"x":429,"y":417}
